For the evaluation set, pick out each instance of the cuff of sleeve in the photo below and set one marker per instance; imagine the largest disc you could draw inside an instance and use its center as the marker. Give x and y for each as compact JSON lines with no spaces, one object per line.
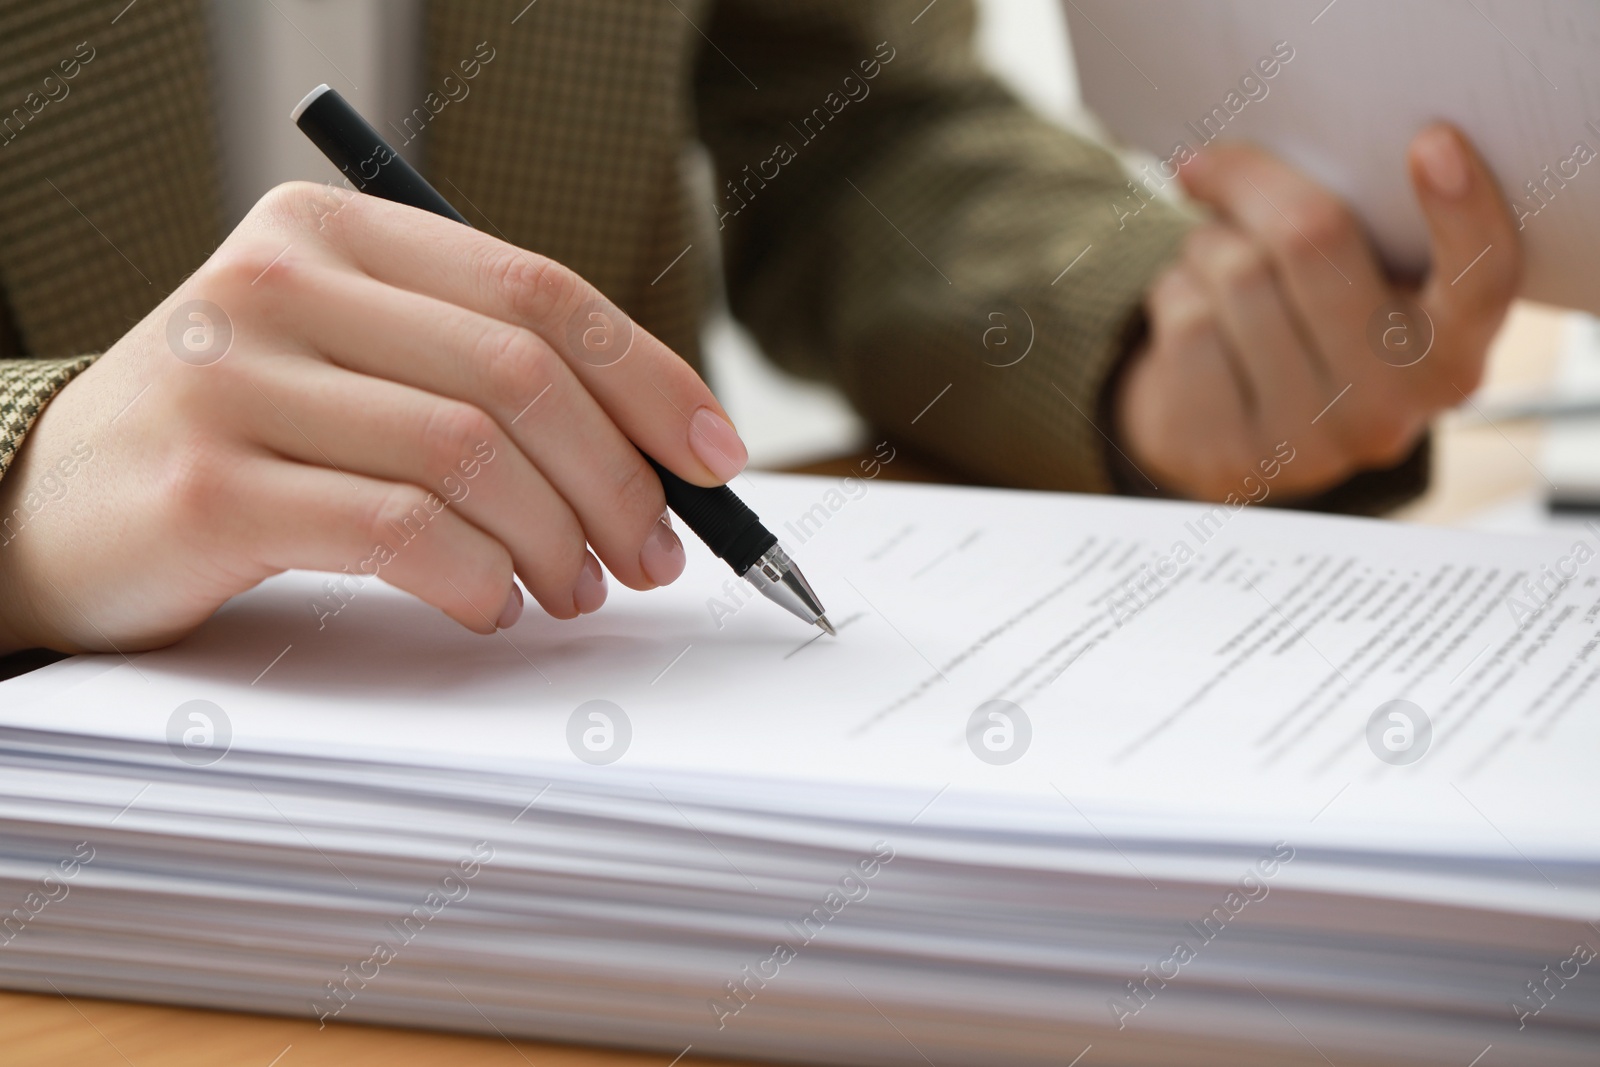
{"x":26,"y":386}
{"x":1122,"y":472}
{"x":1109,"y":311}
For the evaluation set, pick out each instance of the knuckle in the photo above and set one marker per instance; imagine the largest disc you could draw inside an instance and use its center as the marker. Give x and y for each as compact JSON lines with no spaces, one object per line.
{"x":537,"y":287}
{"x":1328,"y":221}
{"x":1187,"y":323}
{"x":638,"y":491}
{"x":485,"y":580}
{"x":567,"y":544}
{"x":279,"y":201}
{"x":562,"y":553}
{"x":251,"y":267}
{"x":568,"y":559}
{"x":195,"y":480}
{"x":1242,"y":267}
{"x":515,"y":364}
{"x":291,"y":204}
{"x":1314,"y":227}
{"x":1177,"y":306}
{"x":397,"y":507}
{"x":563,"y":548}
{"x":452,"y":431}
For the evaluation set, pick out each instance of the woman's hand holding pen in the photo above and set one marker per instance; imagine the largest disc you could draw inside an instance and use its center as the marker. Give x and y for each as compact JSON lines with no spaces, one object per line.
{"x":349,"y":384}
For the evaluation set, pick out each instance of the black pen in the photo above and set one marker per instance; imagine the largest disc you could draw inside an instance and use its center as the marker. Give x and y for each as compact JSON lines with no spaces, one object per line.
{"x":718,"y":517}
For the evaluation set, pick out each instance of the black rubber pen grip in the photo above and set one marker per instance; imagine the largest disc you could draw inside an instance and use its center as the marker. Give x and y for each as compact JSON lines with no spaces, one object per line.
{"x":719,"y":518}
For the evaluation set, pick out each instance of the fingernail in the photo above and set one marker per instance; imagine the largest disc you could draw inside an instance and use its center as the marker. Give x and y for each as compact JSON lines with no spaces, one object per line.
{"x":590,"y":592}
{"x":512,"y":611}
{"x":1444,"y":162}
{"x":662,"y":555}
{"x":717,"y":444}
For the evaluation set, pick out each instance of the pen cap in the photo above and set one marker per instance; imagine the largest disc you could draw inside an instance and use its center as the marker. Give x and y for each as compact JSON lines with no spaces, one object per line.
{"x":374,"y":168}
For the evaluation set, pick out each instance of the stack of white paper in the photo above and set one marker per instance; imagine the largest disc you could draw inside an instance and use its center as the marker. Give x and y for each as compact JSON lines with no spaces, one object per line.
{"x":1079,"y":777}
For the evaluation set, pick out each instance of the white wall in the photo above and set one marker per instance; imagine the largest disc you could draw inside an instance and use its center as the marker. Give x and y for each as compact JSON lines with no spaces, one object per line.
{"x":1025,"y":42}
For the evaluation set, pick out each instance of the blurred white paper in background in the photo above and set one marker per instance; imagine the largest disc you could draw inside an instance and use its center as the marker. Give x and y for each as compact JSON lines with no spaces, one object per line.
{"x":1362,"y":77}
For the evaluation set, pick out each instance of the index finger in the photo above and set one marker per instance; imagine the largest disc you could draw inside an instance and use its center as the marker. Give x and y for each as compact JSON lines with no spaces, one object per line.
{"x":649,"y":391}
{"x":1315,"y":242}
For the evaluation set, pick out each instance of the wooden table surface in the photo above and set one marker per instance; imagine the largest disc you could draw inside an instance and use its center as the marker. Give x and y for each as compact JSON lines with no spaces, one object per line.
{"x":1476,"y":466}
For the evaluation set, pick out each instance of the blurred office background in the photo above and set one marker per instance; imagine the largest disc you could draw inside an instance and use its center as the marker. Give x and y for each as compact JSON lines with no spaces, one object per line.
{"x":272,"y":51}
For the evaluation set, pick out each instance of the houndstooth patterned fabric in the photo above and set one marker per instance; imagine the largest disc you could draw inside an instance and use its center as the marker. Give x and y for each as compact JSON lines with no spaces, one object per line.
{"x":25,"y":387}
{"x":885,"y":214}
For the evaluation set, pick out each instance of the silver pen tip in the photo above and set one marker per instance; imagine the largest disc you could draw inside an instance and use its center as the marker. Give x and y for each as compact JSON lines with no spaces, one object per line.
{"x":780,"y":581}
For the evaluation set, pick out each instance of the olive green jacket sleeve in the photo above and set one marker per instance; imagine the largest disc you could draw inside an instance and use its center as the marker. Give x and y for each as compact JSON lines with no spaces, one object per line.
{"x":899,"y":222}
{"x":895,"y":220}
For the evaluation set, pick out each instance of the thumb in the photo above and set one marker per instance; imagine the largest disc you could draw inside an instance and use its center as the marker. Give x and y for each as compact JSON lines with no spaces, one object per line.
{"x":1477,"y":254}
